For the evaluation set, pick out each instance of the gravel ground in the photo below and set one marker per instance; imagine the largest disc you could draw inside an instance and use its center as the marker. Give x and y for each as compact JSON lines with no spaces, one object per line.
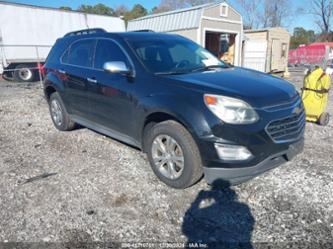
{"x":82,"y":186}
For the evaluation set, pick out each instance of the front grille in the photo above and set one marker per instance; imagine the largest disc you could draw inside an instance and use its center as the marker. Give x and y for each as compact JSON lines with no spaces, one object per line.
{"x":287,"y":129}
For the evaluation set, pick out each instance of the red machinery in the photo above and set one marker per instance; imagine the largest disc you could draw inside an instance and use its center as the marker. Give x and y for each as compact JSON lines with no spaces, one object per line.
{"x":313,"y":54}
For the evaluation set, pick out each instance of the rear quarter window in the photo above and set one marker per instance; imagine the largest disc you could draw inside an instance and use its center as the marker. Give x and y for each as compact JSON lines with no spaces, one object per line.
{"x":56,"y":52}
{"x":80,"y":53}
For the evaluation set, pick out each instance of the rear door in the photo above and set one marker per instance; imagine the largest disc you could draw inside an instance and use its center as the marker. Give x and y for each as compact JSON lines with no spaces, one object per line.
{"x":77,"y":67}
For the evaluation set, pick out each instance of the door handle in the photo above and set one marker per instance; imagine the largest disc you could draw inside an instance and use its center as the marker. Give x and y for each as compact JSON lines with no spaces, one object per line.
{"x":62,"y":71}
{"x":92,"y":80}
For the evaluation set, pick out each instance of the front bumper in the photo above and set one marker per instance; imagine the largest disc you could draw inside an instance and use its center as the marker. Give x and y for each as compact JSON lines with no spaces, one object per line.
{"x":238,"y":175}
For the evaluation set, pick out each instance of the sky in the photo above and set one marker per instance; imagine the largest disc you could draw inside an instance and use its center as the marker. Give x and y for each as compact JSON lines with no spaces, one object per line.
{"x":305,"y":21}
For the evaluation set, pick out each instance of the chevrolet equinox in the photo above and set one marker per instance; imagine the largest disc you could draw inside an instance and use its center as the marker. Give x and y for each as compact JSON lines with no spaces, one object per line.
{"x":191,"y":113}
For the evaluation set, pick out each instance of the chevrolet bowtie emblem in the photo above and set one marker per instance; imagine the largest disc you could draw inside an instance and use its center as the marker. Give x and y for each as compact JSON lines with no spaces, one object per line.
{"x":297,"y":110}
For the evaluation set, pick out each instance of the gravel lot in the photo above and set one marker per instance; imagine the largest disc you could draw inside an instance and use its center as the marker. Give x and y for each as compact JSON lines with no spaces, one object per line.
{"x":82,"y":186}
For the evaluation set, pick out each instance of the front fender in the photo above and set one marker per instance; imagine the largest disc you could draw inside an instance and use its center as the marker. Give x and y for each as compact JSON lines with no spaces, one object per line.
{"x":190,"y":114}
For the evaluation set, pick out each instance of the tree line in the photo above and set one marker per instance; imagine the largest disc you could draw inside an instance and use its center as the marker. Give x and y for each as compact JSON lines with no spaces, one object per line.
{"x":121,"y":11}
{"x":281,"y":13}
{"x":137,"y":10}
{"x":256,"y":14}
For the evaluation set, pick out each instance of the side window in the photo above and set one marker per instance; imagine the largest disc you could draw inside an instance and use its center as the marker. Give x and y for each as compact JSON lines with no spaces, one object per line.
{"x":81,"y":53}
{"x":106,"y":51}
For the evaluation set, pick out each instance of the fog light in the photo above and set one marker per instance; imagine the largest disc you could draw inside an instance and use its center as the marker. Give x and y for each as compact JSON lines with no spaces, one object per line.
{"x":229,"y":152}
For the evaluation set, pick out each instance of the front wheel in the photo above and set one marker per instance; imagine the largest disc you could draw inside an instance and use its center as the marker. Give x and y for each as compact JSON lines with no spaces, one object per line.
{"x":173,"y":154}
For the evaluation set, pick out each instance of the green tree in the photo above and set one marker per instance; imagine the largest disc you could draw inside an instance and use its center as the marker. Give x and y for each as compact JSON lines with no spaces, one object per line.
{"x":302,"y":36}
{"x":65,"y":8}
{"x":103,"y":9}
{"x":100,"y":9}
{"x":86,"y":8}
{"x":137,"y":11}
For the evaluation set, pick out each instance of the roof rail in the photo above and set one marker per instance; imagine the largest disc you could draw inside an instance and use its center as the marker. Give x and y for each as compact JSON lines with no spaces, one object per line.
{"x":85,"y":32}
{"x":144,"y":30}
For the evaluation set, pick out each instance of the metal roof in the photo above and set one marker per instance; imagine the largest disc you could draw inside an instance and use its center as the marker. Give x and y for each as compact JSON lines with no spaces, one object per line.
{"x":188,"y":18}
{"x":264,"y":30}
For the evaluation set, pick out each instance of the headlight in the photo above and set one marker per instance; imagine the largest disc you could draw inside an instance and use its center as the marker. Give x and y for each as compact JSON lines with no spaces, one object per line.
{"x":231,"y":110}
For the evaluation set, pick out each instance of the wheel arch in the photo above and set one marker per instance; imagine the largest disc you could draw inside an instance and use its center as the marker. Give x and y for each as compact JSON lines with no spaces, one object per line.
{"x":52,"y":84}
{"x":161,"y":116}
{"x":48,"y":92}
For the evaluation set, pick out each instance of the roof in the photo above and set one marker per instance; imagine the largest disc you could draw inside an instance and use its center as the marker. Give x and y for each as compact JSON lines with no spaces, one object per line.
{"x":50,"y":8}
{"x":330,"y":44}
{"x":188,"y":18}
{"x":264,"y":30}
{"x":123,"y":35}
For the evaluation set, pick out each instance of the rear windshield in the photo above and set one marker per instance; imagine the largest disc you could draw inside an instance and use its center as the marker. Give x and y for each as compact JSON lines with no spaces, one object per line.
{"x":172,"y":54}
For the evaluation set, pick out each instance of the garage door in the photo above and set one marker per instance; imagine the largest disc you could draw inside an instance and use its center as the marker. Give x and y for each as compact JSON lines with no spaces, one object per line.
{"x":255,"y":55}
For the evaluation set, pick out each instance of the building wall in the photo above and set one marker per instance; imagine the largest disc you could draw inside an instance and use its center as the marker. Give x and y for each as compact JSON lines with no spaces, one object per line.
{"x":275,"y":38}
{"x":256,"y":35}
{"x":214,"y":12}
{"x":189,"y":33}
{"x":277,"y":62}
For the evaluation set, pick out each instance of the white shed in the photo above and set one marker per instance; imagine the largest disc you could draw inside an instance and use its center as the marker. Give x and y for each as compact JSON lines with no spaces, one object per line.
{"x":266,"y":50}
{"x":216,"y":26}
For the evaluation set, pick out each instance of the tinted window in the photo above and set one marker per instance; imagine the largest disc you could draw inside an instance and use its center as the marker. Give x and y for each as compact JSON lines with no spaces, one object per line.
{"x":57,"y":51}
{"x":106,"y":51}
{"x":81,"y":53}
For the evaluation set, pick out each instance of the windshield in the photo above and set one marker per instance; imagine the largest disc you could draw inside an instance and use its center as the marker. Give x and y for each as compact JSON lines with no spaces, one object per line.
{"x":173,"y":55}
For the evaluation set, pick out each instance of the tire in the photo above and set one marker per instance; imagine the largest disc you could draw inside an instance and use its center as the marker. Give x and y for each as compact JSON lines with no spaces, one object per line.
{"x":187,"y":171}
{"x":24,"y":73}
{"x":7,"y":76}
{"x":59,"y":115}
{"x":324,"y":119}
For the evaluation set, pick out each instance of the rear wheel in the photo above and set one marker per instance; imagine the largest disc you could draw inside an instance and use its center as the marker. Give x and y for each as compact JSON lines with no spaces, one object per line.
{"x":324,"y":119}
{"x":24,"y":73}
{"x":59,"y":115}
{"x":173,"y":154}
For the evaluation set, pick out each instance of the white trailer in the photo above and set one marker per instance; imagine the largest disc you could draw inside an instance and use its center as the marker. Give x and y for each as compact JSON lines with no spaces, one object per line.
{"x":27,"y":34}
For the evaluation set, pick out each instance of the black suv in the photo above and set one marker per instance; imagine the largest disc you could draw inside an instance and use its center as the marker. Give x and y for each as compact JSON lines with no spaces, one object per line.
{"x":191,"y":113}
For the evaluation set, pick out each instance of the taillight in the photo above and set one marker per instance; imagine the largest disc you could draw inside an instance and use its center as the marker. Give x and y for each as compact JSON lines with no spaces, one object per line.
{"x":41,"y":69}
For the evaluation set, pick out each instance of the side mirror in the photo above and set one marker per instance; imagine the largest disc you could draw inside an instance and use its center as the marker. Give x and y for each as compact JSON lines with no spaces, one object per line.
{"x":116,"y":67}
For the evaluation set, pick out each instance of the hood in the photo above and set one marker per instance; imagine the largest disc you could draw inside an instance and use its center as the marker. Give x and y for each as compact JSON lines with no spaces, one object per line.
{"x":256,"y":88}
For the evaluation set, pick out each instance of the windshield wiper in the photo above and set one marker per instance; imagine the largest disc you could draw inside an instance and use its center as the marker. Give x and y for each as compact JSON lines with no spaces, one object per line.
{"x":206,"y":68}
{"x":172,"y":72}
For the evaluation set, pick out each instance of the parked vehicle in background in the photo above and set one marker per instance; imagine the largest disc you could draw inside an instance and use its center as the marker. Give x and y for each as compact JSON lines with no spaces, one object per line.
{"x":27,"y":34}
{"x":191,"y":113}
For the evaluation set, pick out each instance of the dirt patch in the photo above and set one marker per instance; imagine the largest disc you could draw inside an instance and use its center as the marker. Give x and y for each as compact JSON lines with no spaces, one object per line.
{"x":103,"y":190}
